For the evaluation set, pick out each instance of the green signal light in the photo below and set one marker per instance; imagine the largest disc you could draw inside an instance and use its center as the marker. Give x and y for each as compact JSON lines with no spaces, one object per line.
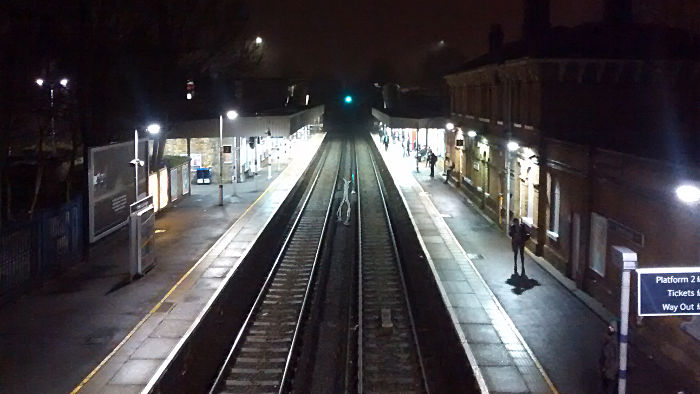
{"x":348,"y":99}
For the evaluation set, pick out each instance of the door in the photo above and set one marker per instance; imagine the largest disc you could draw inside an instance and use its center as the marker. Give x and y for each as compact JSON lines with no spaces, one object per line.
{"x":576,"y":272}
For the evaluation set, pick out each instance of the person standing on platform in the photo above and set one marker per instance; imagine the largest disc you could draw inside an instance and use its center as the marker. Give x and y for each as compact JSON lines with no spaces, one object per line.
{"x":433,"y":160}
{"x":609,"y":360}
{"x":386,"y":143}
{"x":417,"y":159}
{"x":519,"y":234}
{"x":449,"y":167}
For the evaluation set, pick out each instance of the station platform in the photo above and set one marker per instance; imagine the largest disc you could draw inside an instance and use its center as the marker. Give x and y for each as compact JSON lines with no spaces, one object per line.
{"x":92,"y":331}
{"x":540,"y":334}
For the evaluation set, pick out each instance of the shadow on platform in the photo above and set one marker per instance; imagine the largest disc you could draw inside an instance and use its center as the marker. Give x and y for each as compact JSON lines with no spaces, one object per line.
{"x":521,"y":283}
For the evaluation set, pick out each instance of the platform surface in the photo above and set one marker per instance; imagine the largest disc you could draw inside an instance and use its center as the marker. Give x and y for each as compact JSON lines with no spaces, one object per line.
{"x":93,"y":331}
{"x":500,"y":317}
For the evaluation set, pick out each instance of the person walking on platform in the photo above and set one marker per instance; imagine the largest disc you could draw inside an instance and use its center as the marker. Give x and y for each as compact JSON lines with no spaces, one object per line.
{"x":609,"y":360}
{"x":519,"y":234}
{"x":449,"y":167}
{"x":386,"y":143}
{"x":433,"y":160}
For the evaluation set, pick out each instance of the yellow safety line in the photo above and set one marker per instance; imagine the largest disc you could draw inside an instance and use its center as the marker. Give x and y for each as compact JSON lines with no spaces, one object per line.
{"x":155,"y":308}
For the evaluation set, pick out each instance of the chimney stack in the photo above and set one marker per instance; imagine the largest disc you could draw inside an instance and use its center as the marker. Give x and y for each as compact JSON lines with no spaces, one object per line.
{"x":535,"y":18}
{"x":495,"y":37}
{"x":617,"y":11}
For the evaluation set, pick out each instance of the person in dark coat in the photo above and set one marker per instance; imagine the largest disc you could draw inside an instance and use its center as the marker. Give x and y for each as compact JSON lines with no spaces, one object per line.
{"x":386,"y":142}
{"x":519,"y":234}
{"x":609,"y":361}
{"x":433,"y":160}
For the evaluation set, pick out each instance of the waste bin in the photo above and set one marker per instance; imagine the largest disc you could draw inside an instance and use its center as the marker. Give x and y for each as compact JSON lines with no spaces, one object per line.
{"x":203,"y":176}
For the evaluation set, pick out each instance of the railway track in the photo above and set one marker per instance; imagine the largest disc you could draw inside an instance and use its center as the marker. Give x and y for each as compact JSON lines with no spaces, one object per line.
{"x":263,"y":355}
{"x":388,"y":356}
{"x":383,"y":354}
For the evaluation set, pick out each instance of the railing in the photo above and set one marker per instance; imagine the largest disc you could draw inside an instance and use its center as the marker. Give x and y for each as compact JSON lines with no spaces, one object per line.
{"x":32,"y":250}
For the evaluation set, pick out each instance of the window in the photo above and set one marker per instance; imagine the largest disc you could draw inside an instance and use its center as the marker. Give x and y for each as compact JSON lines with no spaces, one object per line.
{"x":554,"y":204}
{"x":599,"y":243}
{"x":227,"y":154}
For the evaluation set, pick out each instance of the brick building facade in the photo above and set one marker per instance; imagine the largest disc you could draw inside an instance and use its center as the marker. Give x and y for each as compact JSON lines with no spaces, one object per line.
{"x":606,"y":120}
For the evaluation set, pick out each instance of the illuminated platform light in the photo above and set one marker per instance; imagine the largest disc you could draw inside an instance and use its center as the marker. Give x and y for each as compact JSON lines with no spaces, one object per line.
{"x":348,"y":99}
{"x":153,"y":128}
{"x":513,"y":146}
{"x":471,"y":133}
{"x":689,"y":194}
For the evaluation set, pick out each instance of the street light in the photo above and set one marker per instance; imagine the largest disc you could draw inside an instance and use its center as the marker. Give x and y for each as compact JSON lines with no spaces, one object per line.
{"x":64,"y":83}
{"x":231,"y":115}
{"x":689,"y":194}
{"x":471,"y":133}
{"x":449,"y":126}
{"x":258,"y":40}
{"x":153,"y":128}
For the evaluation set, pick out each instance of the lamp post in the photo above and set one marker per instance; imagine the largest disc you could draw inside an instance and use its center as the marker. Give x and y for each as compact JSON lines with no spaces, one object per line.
{"x":230,"y":115}
{"x":449,"y":126}
{"x":152,"y":129}
{"x":63,"y":82}
{"x":511,"y":146}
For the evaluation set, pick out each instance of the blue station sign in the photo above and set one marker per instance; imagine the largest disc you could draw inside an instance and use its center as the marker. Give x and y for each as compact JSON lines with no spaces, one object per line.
{"x":668,"y":291}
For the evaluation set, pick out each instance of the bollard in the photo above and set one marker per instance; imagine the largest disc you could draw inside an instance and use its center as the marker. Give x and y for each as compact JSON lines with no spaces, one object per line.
{"x":628,"y":260}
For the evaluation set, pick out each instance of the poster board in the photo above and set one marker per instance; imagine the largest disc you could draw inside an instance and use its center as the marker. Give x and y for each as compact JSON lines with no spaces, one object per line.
{"x":111,"y":186}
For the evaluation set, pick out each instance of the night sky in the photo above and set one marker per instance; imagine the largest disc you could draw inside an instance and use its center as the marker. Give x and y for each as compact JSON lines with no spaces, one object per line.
{"x":308,"y":37}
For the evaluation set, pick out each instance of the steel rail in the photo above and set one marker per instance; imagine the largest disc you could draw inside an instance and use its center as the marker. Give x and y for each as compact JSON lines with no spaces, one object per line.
{"x":359,"y":284}
{"x":406,"y":300}
{"x":297,"y":330}
{"x":235,"y":348}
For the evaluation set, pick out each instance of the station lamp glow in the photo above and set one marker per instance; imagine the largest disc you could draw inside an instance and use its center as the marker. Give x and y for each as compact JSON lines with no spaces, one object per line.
{"x":449,"y":126}
{"x":153,"y":128}
{"x":689,"y":194}
{"x":512,"y":146}
{"x":471,"y":133}
{"x":348,"y":99}
{"x":232,"y":115}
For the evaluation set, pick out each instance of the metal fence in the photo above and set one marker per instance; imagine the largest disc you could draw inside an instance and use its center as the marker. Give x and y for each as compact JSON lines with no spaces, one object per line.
{"x":32,"y":250}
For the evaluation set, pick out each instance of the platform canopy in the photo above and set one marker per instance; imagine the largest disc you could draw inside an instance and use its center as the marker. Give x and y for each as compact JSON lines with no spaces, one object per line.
{"x":278,"y":124}
{"x":409,"y":121}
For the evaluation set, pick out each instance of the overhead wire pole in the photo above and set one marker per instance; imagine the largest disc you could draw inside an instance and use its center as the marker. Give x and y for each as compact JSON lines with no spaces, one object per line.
{"x":230,"y":115}
{"x":221,"y":160}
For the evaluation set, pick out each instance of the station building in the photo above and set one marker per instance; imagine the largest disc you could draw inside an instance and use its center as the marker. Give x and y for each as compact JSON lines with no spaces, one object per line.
{"x":420,"y":131}
{"x":251,"y":142}
{"x":585,"y":133}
